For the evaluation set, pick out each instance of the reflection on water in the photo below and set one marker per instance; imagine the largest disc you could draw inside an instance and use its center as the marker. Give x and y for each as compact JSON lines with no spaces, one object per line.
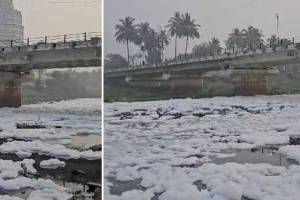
{"x":86,"y":141}
{"x":259,"y":155}
{"x":90,"y":170}
{"x":74,"y":176}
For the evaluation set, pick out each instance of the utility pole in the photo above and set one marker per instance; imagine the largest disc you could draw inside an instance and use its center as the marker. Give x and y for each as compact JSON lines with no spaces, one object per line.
{"x":277,"y":18}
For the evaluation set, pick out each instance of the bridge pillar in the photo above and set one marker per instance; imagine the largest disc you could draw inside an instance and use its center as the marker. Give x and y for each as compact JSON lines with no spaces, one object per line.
{"x":10,"y":89}
{"x":253,"y":82}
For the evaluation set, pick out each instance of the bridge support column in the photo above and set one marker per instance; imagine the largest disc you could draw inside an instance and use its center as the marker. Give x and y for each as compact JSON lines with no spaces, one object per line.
{"x":253,"y":82}
{"x":10,"y":89}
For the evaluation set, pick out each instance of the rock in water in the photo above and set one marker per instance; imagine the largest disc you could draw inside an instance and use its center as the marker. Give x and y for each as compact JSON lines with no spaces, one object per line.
{"x":295,"y":140}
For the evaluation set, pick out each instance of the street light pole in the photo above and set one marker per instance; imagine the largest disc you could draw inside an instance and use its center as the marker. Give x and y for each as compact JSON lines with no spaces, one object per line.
{"x":277,"y":18}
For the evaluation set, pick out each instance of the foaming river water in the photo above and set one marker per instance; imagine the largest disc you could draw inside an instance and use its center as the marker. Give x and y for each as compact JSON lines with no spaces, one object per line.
{"x":66,"y":133}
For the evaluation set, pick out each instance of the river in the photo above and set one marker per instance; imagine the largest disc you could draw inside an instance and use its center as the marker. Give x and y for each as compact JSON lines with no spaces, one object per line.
{"x":222,"y":148}
{"x":45,"y":150}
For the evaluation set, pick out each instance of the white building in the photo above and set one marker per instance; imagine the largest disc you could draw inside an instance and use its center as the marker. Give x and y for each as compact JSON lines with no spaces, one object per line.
{"x":11,"y":27}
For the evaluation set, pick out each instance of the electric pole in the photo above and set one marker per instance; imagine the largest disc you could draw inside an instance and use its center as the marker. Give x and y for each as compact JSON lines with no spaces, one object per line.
{"x":277,"y":18}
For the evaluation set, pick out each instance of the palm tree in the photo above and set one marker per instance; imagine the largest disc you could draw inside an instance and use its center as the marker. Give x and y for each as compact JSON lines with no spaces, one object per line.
{"x":126,"y":32}
{"x":163,"y":40}
{"x":201,"y":50}
{"x":148,"y":41}
{"x":212,"y":48}
{"x":253,"y":37}
{"x":145,"y":36}
{"x":143,"y":33}
{"x":236,"y":39}
{"x":152,"y":47}
{"x":174,"y":27}
{"x":215,"y":47}
{"x":189,"y":28}
{"x":143,"y":30}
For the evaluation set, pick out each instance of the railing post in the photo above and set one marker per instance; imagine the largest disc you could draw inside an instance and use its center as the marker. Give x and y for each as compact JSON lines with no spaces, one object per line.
{"x":85,"y":36}
{"x":28,"y":42}
{"x":45,"y":39}
{"x":65,"y":38}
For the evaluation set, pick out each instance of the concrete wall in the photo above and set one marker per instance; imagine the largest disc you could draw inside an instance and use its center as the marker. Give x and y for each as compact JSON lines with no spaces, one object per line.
{"x":209,"y":84}
{"x":10,"y":89}
{"x":16,"y":60}
{"x":50,"y":56}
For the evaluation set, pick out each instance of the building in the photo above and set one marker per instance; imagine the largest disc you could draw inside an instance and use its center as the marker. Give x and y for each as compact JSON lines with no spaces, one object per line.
{"x":11,"y":27}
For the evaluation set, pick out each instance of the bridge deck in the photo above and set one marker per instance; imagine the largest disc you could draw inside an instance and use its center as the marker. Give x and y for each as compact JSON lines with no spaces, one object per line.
{"x":251,"y":59}
{"x":51,"y":54}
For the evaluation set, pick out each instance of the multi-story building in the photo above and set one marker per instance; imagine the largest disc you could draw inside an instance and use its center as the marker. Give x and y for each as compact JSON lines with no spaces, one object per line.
{"x":11,"y":27}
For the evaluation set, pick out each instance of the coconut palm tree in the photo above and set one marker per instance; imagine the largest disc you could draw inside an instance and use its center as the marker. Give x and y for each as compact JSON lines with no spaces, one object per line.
{"x":143,"y":34}
{"x":236,"y":39}
{"x":152,"y":47}
{"x":253,"y":37}
{"x":212,"y":48}
{"x":143,"y":30}
{"x":174,"y":27}
{"x":163,"y":40}
{"x":189,"y":29}
{"x":215,"y":47}
{"x":146,"y":36}
{"x":148,"y":41}
{"x":126,"y":32}
{"x":201,"y":50}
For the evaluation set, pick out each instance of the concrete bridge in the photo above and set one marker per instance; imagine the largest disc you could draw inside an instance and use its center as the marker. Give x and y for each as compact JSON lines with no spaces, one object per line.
{"x":246,"y":72}
{"x":19,"y":58}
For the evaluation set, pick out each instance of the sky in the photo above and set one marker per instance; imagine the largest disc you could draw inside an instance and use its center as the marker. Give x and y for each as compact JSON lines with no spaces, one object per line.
{"x":56,"y":17}
{"x":217,"y":17}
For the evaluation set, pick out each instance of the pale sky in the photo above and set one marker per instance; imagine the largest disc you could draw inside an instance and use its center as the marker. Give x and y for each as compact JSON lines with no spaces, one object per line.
{"x":55,"y":17}
{"x":217,"y":17}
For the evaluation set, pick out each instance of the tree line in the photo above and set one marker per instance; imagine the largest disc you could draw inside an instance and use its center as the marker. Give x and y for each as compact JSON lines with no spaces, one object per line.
{"x":152,"y":43}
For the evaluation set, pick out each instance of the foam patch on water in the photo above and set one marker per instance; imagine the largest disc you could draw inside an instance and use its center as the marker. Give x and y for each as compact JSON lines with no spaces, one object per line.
{"x":166,"y":147}
{"x":52,"y":164}
{"x":12,"y":180}
{"x":54,"y":150}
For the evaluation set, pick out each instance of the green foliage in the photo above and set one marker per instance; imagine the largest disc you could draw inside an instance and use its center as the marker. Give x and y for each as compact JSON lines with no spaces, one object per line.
{"x":250,"y":38}
{"x":151,"y":42}
{"x":182,"y":25}
{"x":126,"y":32}
{"x":189,"y":29}
{"x":274,"y":42}
{"x":212,"y":48}
{"x":115,"y":61}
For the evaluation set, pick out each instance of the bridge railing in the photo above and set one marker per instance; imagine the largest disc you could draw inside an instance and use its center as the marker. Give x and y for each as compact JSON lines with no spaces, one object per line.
{"x":279,"y":45}
{"x":51,"y":39}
